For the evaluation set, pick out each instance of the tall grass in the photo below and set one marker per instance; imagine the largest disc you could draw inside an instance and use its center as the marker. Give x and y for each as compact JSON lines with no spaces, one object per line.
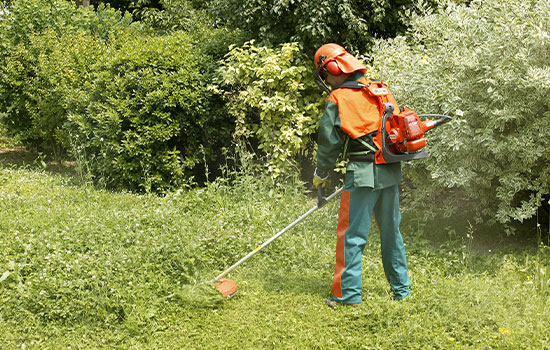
{"x":88,"y":269}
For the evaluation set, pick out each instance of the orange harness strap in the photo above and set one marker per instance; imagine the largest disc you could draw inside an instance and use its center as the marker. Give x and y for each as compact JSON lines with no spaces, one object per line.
{"x":361,"y":105}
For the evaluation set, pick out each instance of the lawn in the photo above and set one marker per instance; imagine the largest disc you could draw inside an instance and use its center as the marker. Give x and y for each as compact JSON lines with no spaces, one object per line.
{"x":85,"y":268}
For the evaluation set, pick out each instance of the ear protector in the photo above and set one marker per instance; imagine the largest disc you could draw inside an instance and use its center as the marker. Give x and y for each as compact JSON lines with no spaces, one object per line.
{"x":333,"y":68}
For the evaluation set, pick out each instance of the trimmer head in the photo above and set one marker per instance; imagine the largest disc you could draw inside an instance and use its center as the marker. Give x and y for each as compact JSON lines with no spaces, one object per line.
{"x":227,"y":287}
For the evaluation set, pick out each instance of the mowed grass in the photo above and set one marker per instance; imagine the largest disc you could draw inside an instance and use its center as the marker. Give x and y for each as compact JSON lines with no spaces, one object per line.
{"x":83,"y":268}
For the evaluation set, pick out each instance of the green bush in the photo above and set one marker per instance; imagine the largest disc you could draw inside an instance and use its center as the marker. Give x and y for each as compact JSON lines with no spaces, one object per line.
{"x":270,"y":95}
{"x":149,"y":117}
{"x":485,"y":64}
{"x":135,"y":110}
{"x":38,"y":58}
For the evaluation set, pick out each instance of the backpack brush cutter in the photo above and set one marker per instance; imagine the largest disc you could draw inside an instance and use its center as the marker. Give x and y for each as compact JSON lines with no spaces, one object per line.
{"x":401,"y":133}
{"x":228,"y":287}
{"x":406,"y":133}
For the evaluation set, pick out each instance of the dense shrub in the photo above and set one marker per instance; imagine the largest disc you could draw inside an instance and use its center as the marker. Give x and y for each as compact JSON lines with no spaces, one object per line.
{"x":487,"y":65}
{"x":148,"y":120}
{"x":134,"y":108}
{"x":270,"y":96}
{"x":32,"y":79}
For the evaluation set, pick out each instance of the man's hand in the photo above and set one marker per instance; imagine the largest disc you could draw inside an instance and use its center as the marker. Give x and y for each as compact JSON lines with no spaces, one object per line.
{"x":319,"y":178}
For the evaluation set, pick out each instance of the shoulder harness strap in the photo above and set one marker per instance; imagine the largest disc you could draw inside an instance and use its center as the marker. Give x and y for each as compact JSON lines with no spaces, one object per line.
{"x":351,"y":84}
{"x":375,"y":88}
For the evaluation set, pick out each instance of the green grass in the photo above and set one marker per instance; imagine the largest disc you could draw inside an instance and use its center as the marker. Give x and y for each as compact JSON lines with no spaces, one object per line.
{"x":90,"y":269}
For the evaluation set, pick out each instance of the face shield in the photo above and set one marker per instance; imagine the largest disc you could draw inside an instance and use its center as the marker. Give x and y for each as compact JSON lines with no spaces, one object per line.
{"x":320,"y":74}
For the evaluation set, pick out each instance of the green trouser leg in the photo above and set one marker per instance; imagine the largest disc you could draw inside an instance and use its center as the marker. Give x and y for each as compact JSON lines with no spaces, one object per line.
{"x":356,"y":208}
{"x":394,"y":259}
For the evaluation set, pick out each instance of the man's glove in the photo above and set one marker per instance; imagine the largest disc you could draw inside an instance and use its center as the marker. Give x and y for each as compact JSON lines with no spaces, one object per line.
{"x":319,"y":178}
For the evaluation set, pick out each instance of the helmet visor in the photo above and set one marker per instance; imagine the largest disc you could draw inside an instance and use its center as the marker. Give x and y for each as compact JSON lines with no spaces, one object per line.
{"x":349,"y":64}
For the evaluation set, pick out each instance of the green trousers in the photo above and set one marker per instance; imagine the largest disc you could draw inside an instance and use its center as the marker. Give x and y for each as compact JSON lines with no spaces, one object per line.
{"x":356,"y":208}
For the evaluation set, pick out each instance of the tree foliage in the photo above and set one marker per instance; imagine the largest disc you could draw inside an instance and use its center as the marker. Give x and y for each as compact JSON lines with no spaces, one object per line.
{"x":133,"y":107}
{"x":485,"y":64}
{"x":139,"y":103}
{"x":353,"y":24}
{"x":185,"y":15}
{"x":270,"y":96}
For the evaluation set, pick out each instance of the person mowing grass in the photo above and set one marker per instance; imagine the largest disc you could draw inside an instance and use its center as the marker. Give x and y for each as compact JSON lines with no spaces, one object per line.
{"x":349,"y":125}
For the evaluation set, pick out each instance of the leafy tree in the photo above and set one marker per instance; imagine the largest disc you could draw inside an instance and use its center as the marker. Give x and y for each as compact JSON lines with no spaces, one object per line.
{"x":353,"y":24}
{"x":486,"y":64}
{"x":132,"y":106}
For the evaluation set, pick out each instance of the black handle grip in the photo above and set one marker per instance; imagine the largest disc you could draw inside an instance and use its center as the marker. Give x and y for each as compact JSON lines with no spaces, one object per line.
{"x":442,"y":118}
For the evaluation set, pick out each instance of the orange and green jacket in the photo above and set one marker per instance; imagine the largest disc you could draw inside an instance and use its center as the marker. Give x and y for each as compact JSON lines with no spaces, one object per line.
{"x":350,"y":112}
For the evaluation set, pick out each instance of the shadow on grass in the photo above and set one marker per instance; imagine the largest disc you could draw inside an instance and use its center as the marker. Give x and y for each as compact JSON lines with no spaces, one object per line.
{"x":16,"y":156}
{"x":482,"y":238}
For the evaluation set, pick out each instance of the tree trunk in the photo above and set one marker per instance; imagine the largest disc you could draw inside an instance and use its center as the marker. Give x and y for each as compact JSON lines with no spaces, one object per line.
{"x":83,"y":3}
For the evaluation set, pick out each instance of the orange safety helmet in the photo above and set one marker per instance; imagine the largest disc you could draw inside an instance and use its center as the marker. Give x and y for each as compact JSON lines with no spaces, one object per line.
{"x":334,"y":59}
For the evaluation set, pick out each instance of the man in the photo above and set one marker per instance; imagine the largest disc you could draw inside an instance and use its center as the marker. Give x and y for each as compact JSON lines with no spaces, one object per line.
{"x":349,"y":124}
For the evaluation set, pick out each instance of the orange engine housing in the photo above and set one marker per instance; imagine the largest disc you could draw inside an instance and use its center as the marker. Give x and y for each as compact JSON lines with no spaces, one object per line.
{"x":406,"y":132}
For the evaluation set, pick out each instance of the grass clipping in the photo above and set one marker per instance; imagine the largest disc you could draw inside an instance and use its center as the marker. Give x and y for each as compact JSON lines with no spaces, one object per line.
{"x":200,"y":295}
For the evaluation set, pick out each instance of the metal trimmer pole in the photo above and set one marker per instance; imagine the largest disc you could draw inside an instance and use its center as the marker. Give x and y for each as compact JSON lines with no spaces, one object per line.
{"x":249,"y":255}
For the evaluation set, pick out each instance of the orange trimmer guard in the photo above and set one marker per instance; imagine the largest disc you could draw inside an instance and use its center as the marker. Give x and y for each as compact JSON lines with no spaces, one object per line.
{"x":227,"y":287}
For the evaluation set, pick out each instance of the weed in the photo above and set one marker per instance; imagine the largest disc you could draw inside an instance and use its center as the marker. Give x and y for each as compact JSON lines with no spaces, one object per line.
{"x":87,"y":268}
